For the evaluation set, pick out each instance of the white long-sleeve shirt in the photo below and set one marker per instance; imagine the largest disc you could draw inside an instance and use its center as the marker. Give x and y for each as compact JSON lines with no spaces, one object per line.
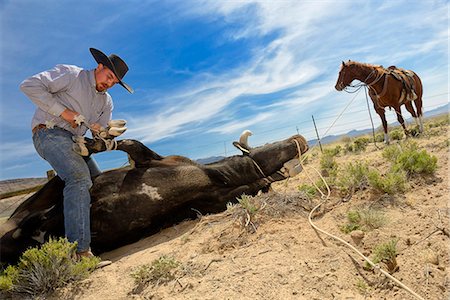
{"x":67,"y":86}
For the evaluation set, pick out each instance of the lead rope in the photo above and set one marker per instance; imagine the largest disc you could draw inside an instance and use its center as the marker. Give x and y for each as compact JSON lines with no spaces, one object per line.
{"x":371,"y":121}
{"x":325,"y":198}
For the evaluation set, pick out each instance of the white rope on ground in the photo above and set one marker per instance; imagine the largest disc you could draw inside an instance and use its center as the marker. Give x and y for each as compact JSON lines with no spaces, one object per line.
{"x":326,"y":197}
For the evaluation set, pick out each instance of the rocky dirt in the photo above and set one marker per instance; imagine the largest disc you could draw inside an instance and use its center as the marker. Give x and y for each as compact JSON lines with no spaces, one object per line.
{"x":276,"y":254}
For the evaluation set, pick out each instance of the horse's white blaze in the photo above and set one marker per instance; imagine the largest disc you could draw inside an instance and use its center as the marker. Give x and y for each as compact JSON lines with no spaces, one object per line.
{"x":151,"y":191}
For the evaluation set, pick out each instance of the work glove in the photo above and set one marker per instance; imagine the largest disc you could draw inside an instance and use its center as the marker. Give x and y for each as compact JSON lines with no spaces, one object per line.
{"x":114,"y":129}
{"x":79,"y":145}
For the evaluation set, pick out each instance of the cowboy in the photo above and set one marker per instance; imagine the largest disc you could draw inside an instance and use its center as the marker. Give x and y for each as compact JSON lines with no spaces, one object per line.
{"x":65,"y":95}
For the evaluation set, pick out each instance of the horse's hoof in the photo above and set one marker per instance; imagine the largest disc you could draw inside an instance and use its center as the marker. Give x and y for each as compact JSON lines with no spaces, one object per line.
{"x":414,"y":133}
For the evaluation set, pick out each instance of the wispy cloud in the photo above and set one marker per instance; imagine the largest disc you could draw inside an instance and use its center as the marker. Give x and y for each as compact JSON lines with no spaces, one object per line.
{"x":11,"y":151}
{"x":291,"y":52}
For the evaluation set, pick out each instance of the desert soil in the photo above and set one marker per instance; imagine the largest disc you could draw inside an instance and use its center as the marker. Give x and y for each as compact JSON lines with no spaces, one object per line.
{"x":285,"y":258}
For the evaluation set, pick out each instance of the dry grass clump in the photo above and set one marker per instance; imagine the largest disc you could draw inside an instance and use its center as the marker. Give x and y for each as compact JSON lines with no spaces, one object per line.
{"x":242,"y":219}
{"x":387,"y":254}
{"x":363,"y":219}
{"x":160,"y":271}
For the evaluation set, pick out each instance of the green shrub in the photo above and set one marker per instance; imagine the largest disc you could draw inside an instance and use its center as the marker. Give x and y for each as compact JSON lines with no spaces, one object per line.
{"x":362,"y":286}
{"x":360,"y":144}
{"x":364,"y":219}
{"x":246,"y":211}
{"x":328,"y":165}
{"x":387,"y":253}
{"x":321,"y":185}
{"x":396,"y":135}
{"x":8,"y":278}
{"x":161,"y":270}
{"x":391,"y":183}
{"x":413,"y":162}
{"x":249,"y":204}
{"x":372,"y":219}
{"x":409,"y":158}
{"x":42,"y":270}
{"x":379,"y":137}
{"x":445,"y":121}
{"x":309,"y":190}
{"x":332,"y":151}
{"x":353,"y":220}
{"x":392,"y":152}
{"x":348,"y":147}
{"x":353,"y":177}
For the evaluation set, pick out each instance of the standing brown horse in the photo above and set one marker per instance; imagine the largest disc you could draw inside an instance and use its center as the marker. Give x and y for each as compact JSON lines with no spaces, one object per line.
{"x":391,"y":87}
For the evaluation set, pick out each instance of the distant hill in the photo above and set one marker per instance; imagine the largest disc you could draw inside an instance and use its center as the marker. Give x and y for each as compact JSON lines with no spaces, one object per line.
{"x":12,"y":185}
{"x":352,"y":133}
{"x":209,"y":160}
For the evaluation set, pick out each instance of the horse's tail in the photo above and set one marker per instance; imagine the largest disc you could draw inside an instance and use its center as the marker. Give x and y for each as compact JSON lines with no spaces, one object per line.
{"x":419,"y":92}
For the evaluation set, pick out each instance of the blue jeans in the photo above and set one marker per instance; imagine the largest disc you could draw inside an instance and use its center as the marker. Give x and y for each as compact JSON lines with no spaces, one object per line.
{"x":55,"y":146}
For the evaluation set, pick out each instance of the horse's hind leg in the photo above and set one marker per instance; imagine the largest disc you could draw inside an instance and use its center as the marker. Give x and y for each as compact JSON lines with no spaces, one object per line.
{"x":410,"y":108}
{"x":400,"y":119}
{"x":418,"y":101}
{"x":418,"y":104}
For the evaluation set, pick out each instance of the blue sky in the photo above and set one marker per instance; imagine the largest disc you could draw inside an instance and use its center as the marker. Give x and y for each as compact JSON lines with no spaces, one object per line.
{"x":204,"y":71}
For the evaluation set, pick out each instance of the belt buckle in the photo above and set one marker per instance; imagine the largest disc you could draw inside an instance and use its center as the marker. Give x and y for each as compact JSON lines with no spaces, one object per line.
{"x":38,"y":127}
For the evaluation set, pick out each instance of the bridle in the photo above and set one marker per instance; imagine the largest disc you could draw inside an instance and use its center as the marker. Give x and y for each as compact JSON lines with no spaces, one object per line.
{"x":357,"y":86}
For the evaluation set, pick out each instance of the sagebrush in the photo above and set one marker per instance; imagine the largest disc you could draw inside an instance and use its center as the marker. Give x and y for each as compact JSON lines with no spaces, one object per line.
{"x":42,"y":270}
{"x":161,"y":270}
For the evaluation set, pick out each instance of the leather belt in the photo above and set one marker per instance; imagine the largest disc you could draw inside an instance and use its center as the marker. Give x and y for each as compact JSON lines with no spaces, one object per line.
{"x":38,"y":127}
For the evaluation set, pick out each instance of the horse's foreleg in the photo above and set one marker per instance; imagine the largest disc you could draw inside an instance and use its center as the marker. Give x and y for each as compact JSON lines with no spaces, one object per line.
{"x":380,"y":112}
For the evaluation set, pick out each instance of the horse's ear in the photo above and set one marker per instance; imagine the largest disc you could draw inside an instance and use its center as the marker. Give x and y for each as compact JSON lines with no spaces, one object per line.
{"x":343,"y":63}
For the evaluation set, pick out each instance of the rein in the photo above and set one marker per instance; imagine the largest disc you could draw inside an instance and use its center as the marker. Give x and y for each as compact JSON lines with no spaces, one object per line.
{"x":364,"y":82}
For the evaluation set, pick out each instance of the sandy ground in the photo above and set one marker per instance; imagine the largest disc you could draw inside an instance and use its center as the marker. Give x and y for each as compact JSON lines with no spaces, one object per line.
{"x":285,"y":258}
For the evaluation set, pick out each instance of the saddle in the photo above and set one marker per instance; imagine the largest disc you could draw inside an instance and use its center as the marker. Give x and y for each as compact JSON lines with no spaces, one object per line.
{"x":406,"y":77}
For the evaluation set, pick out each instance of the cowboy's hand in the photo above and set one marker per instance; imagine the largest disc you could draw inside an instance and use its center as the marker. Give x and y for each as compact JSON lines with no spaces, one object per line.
{"x":96,"y":128}
{"x":70,"y":116}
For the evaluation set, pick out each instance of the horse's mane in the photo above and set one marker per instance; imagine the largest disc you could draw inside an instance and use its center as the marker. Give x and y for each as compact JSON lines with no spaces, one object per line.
{"x":360,"y":64}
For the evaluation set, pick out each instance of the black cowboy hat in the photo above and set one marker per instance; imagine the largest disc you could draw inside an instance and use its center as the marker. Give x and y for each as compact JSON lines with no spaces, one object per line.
{"x":114,"y":63}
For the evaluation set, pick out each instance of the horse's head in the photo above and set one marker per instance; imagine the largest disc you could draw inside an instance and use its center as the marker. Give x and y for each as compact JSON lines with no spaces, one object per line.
{"x":346,"y":76}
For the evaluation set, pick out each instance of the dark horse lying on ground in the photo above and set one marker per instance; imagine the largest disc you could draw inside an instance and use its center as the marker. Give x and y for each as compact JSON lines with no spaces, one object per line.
{"x":391,"y":87}
{"x":136,"y":201}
